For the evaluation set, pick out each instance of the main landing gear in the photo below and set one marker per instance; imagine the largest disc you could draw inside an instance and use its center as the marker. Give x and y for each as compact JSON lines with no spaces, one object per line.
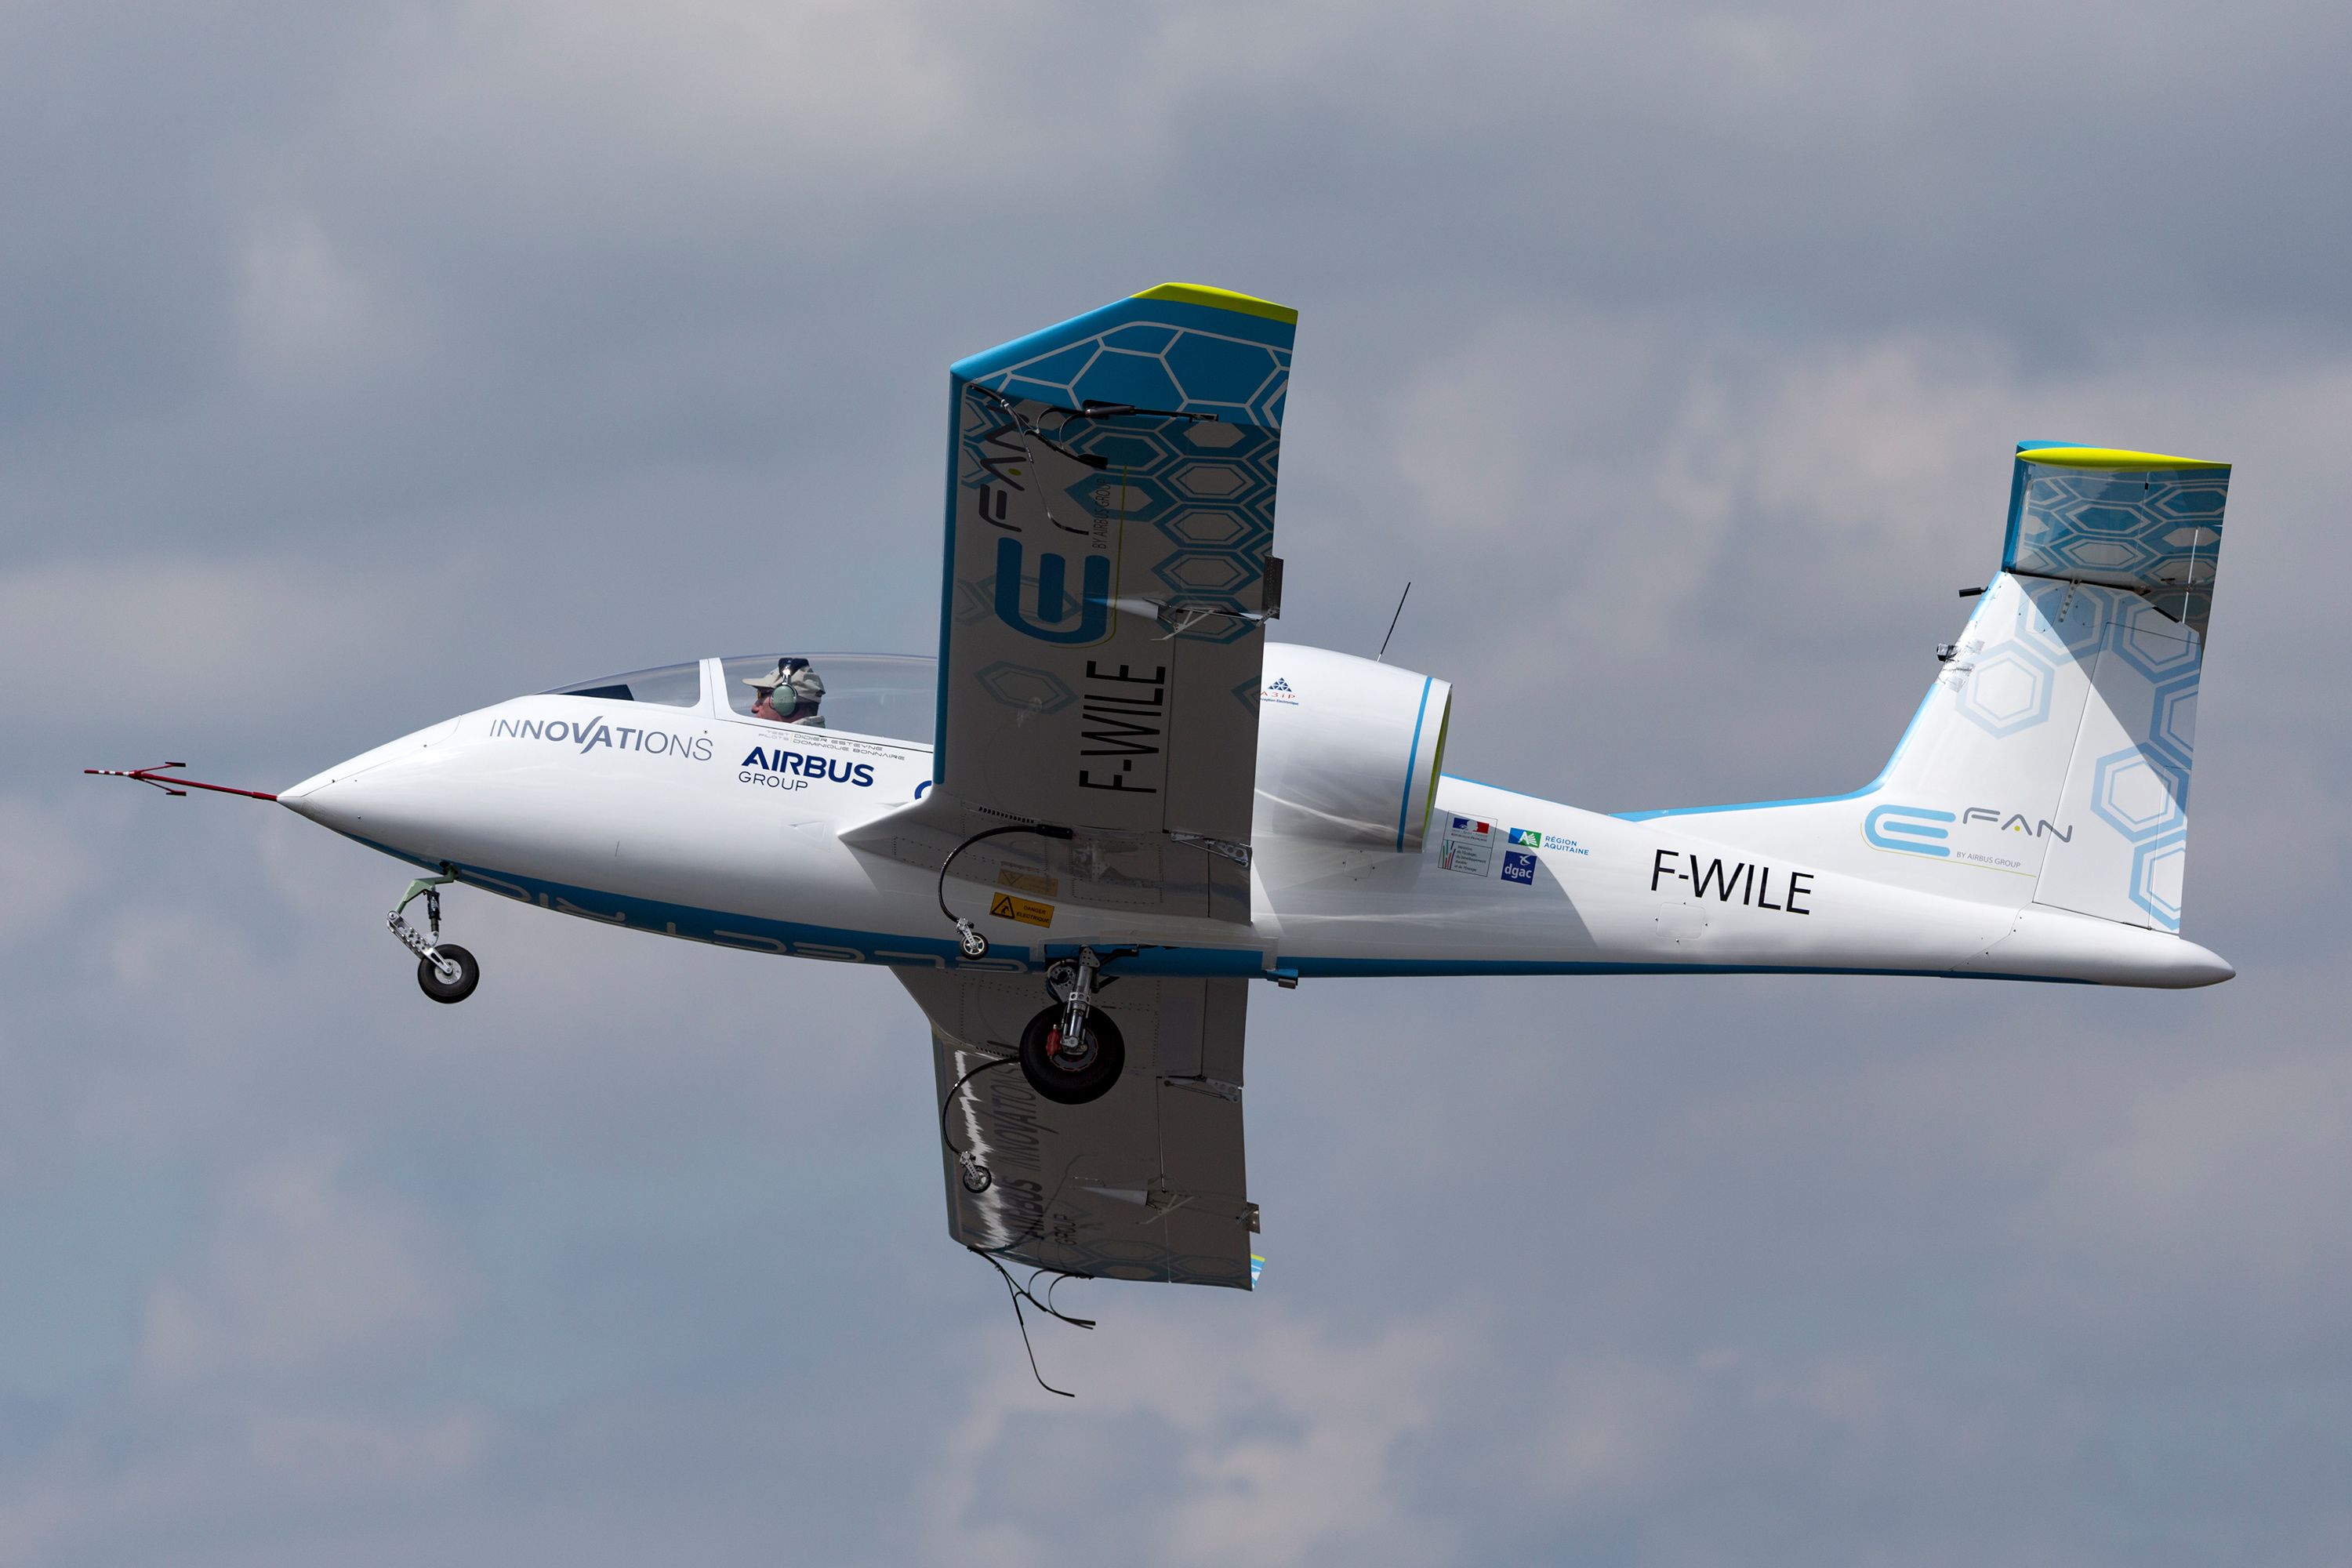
{"x":445,"y":972}
{"x":1071,"y":1052}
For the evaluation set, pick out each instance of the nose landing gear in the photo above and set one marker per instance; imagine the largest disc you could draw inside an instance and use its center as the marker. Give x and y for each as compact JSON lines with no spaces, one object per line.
{"x":445,"y":972}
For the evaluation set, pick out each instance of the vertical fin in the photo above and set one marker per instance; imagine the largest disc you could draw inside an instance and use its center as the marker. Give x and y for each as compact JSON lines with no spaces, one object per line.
{"x":2050,"y":761}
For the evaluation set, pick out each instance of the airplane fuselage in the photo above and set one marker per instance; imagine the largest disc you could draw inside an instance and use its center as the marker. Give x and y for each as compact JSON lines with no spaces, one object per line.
{"x":699,"y":823}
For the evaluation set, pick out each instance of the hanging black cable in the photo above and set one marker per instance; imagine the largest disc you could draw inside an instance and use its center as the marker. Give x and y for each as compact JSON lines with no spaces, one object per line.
{"x":977,"y":1177}
{"x":1049,"y":1302}
{"x":1019,"y":1294}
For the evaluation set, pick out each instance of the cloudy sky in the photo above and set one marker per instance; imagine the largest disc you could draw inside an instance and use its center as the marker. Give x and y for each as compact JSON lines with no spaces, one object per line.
{"x":360,"y":364}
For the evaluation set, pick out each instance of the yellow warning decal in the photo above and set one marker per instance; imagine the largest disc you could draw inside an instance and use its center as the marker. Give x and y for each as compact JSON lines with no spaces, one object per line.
{"x":1028,"y":881}
{"x":1028,"y":911}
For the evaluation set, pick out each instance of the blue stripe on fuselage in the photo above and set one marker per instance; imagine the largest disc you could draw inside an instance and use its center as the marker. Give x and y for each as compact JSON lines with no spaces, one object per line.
{"x":755,"y":933}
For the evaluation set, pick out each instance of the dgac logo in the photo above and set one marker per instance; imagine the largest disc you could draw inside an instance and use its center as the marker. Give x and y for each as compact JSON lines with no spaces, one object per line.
{"x":805,"y":768}
{"x":1917,"y":830}
{"x":1053,"y":607}
{"x":591,"y":733}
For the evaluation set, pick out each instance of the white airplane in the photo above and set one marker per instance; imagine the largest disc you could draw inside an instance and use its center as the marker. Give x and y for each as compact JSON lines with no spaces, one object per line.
{"x":1110,"y":804}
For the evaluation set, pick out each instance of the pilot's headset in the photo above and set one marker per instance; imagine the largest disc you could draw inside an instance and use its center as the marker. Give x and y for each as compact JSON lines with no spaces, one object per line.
{"x":804,"y":685}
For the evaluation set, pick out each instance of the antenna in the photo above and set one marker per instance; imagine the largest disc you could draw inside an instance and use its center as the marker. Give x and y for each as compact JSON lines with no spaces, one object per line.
{"x":1392,"y":622}
{"x":148,"y":776}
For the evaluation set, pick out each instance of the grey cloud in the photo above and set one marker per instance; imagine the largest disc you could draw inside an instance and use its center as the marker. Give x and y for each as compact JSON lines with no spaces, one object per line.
{"x":370,"y":364}
{"x":46,"y":866}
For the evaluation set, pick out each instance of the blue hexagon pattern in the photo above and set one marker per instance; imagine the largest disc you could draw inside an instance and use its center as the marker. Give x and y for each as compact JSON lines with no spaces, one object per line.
{"x":2172,"y":732}
{"x":2152,"y":642}
{"x":2140,"y":795}
{"x":1197,"y":461}
{"x":2158,"y":530}
{"x":2158,"y":869}
{"x":2009,"y":689}
{"x":1196,"y":371}
{"x":1020,"y":686}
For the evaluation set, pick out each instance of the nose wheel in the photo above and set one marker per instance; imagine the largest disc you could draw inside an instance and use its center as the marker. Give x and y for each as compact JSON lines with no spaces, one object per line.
{"x":445,"y":972}
{"x":451,"y":977}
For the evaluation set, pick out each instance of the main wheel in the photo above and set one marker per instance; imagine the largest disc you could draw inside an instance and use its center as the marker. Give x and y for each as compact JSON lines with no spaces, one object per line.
{"x":469,"y":974}
{"x":1065,"y":1075}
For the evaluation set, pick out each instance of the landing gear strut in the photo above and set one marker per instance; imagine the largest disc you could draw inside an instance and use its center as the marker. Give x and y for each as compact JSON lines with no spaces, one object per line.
{"x":1071,"y":1052}
{"x":445,"y":972}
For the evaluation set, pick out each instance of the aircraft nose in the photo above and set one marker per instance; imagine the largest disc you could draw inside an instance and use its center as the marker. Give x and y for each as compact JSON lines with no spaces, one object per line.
{"x":340,"y":797}
{"x":294,"y":795}
{"x":316,"y":797}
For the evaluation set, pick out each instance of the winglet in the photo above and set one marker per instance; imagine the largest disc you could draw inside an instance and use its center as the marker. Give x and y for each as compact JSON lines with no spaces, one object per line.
{"x":1221,"y":299}
{"x":2059,"y":455}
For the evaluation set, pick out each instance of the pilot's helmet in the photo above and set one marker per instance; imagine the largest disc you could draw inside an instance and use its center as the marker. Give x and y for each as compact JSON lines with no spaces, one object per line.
{"x":793,"y":679}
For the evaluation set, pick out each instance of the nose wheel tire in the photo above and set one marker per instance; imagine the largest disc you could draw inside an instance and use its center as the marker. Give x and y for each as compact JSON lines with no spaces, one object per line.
{"x":1065,"y":1075}
{"x":469,"y":974}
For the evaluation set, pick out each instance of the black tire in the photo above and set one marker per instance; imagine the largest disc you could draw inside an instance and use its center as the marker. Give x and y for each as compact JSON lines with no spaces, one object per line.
{"x":469,"y":974}
{"x":1041,"y":1052}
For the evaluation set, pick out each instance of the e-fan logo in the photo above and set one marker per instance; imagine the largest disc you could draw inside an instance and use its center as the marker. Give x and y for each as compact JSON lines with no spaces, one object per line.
{"x":1920,"y":830}
{"x":1907,"y":828}
{"x":1054,"y":606}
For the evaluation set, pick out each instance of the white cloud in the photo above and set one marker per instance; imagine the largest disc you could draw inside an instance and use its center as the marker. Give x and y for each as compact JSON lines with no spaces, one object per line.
{"x":306,"y":1275}
{"x":1616,"y":518}
{"x":247,"y":1396}
{"x":1615,"y":1433}
{"x":89,"y":1499}
{"x":1284,"y":1437}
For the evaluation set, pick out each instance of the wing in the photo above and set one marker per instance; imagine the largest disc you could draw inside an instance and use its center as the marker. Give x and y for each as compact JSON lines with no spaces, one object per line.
{"x":1146,"y":1182}
{"x":1109,"y":519}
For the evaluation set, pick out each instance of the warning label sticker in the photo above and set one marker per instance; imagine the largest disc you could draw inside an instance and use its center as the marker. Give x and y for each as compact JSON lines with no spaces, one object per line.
{"x":1028,"y":911}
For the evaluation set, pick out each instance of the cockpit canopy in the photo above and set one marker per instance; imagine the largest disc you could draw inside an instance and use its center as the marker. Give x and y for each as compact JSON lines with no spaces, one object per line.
{"x":890,"y":696}
{"x":672,"y":686}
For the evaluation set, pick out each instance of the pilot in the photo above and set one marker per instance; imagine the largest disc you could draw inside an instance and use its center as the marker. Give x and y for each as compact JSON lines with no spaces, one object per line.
{"x":791,"y":695}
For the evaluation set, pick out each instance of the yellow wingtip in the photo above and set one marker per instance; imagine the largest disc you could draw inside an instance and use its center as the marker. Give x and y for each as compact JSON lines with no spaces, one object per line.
{"x":1221,"y":299}
{"x":2110,"y":458}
